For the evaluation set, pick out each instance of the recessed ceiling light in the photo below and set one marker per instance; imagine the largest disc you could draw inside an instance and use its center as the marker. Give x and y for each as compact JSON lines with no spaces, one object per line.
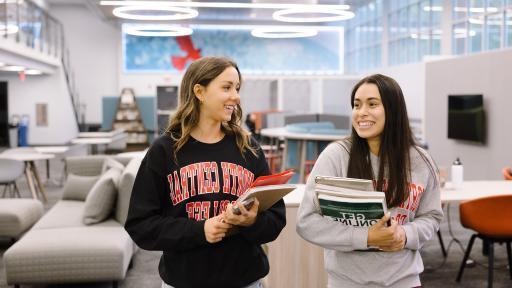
{"x":33,"y":72}
{"x":218,"y":4}
{"x":283,"y":32}
{"x":179,"y":13}
{"x":13,"y":68}
{"x":156,"y":30}
{"x":336,"y":15}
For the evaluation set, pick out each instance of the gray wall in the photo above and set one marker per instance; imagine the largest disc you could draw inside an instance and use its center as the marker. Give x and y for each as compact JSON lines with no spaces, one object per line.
{"x":488,"y":74}
{"x":337,"y":96}
{"x":94,"y":47}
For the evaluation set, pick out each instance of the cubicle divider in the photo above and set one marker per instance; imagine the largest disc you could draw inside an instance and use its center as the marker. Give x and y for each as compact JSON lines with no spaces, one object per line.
{"x":147,"y":108}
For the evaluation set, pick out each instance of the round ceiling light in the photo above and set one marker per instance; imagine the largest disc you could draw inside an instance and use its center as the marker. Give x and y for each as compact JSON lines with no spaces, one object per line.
{"x":157,"y":30}
{"x":33,"y":72}
{"x":335,"y":14}
{"x":283,"y":32}
{"x":178,"y":13}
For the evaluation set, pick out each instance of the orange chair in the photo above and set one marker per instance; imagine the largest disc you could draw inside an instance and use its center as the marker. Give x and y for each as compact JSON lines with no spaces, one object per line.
{"x":507,"y":173}
{"x":490,"y":218}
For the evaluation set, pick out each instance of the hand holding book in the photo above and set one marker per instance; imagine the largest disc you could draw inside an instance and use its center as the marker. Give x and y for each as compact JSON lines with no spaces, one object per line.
{"x":386,"y":237}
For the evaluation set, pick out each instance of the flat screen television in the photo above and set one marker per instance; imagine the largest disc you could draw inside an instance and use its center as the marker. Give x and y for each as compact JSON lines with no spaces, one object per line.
{"x":466,"y":118}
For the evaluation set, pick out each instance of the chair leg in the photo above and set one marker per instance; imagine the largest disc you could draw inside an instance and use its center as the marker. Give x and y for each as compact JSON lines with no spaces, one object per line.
{"x":509,"y":254}
{"x":16,"y":189}
{"x":466,"y":256}
{"x":443,"y":249}
{"x":491,"y":263}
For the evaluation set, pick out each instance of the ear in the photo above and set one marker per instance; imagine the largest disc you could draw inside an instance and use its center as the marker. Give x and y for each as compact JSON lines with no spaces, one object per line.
{"x":199,"y":92}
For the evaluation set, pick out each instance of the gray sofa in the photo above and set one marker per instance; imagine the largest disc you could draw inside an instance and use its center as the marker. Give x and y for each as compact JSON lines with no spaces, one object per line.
{"x":60,"y":248}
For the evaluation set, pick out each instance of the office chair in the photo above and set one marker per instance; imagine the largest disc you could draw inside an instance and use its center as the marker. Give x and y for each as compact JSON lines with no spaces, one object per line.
{"x":490,"y":218}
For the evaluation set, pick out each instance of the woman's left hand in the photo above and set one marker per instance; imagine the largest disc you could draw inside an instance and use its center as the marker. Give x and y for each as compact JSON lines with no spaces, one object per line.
{"x":246,"y":218}
{"x":399,"y":240}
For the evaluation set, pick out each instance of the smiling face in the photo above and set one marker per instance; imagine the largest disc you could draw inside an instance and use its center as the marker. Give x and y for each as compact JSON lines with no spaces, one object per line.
{"x":368,"y":114}
{"x":220,"y":97}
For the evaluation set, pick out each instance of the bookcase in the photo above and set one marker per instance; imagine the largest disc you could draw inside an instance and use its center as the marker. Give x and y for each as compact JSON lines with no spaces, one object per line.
{"x":128,"y":118}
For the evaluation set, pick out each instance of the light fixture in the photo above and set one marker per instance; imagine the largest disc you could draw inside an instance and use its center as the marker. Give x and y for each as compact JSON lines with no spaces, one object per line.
{"x":10,"y":29}
{"x":13,"y":68}
{"x":217,"y":4}
{"x":33,"y":72}
{"x":336,"y":15}
{"x":283,"y":32}
{"x":157,"y":30}
{"x":463,"y":33}
{"x":179,"y":13}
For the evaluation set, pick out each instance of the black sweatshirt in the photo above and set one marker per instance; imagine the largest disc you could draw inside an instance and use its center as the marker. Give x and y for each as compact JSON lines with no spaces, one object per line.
{"x":170,"y":203}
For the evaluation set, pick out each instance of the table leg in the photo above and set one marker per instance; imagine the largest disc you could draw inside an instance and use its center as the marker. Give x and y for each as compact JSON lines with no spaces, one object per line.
{"x":302,"y":162}
{"x":285,"y":153}
{"x":47,"y":169}
{"x":38,"y":182}
{"x":30,"y":181}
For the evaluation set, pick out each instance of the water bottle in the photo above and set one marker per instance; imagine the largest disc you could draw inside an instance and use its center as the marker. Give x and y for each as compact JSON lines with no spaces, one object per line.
{"x":457,"y":174}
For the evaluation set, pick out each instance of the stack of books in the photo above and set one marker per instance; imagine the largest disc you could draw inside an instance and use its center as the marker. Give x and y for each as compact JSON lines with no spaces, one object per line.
{"x":350,"y":201}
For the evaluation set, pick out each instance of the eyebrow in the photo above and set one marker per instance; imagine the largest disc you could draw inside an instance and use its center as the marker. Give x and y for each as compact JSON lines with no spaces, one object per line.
{"x":368,"y":99}
{"x":230,"y":82}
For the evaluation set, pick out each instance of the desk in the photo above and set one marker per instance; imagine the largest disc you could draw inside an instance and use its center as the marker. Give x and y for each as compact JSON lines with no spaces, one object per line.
{"x":302,"y":138}
{"x":31,"y":170}
{"x":94,"y":142}
{"x":59,"y":152}
{"x":109,"y":134}
{"x":297,"y":263}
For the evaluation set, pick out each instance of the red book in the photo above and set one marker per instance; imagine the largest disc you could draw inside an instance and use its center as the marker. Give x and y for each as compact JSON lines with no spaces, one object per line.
{"x":268,"y":190}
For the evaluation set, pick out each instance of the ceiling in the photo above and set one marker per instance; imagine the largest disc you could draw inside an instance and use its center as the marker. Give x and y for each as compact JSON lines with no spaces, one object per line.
{"x":221,"y":16}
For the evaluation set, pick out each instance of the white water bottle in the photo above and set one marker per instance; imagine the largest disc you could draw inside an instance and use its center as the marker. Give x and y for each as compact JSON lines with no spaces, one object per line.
{"x":457,"y":174}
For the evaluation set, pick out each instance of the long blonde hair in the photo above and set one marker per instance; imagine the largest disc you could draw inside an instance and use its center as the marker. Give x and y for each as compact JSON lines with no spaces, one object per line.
{"x":202,"y":72}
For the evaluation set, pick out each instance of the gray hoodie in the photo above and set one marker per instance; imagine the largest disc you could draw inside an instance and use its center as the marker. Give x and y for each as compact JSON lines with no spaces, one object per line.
{"x":419,"y":215}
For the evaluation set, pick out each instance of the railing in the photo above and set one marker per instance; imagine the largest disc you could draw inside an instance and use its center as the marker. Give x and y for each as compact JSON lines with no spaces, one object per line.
{"x":24,"y":22}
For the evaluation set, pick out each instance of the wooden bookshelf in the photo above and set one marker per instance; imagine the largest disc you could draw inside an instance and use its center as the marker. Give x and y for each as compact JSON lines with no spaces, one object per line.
{"x":128,"y":118}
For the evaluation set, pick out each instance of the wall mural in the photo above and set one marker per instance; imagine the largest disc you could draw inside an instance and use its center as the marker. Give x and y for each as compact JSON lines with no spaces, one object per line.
{"x":321,"y":54}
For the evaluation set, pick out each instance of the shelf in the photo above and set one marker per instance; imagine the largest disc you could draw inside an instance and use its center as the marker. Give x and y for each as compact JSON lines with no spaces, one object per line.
{"x":128,"y":118}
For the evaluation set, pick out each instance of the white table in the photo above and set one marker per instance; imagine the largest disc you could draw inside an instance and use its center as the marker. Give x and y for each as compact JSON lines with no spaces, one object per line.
{"x":94,"y":142}
{"x":101,"y":134}
{"x":295,"y":262}
{"x":302,"y":138}
{"x":31,"y":171}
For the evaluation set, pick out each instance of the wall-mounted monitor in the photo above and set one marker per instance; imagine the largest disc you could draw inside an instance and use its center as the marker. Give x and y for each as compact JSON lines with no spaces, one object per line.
{"x":466,"y":118}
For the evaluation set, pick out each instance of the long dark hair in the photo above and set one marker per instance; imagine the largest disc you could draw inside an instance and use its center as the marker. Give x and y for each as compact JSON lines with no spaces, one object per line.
{"x":396,"y":142}
{"x":202,"y":72}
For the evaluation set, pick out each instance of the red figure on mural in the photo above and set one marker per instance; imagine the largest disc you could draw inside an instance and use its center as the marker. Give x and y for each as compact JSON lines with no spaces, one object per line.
{"x":186,"y":45}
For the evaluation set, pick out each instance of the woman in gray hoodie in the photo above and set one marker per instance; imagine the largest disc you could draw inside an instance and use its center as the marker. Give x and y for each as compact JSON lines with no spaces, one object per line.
{"x":381,"y":148}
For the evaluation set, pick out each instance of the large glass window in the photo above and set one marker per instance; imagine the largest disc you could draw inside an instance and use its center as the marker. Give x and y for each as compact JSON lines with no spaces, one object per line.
{"x":508,"y":27}
{"x":487,"y":25}
{"x":459,"y":35}
{"x":494,"y":27}
{"x":415,"y":32}
{"x":364,"y":39}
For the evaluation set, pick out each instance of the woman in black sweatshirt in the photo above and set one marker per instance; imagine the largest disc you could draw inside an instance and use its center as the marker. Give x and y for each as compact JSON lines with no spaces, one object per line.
{"x":182,"y":198}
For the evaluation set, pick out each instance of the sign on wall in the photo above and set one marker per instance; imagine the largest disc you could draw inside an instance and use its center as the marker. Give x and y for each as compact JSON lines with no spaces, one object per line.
{"x":320,"y":54}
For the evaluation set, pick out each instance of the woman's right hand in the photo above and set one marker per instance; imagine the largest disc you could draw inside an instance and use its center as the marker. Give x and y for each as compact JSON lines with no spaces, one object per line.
{"x":215,"y":229}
